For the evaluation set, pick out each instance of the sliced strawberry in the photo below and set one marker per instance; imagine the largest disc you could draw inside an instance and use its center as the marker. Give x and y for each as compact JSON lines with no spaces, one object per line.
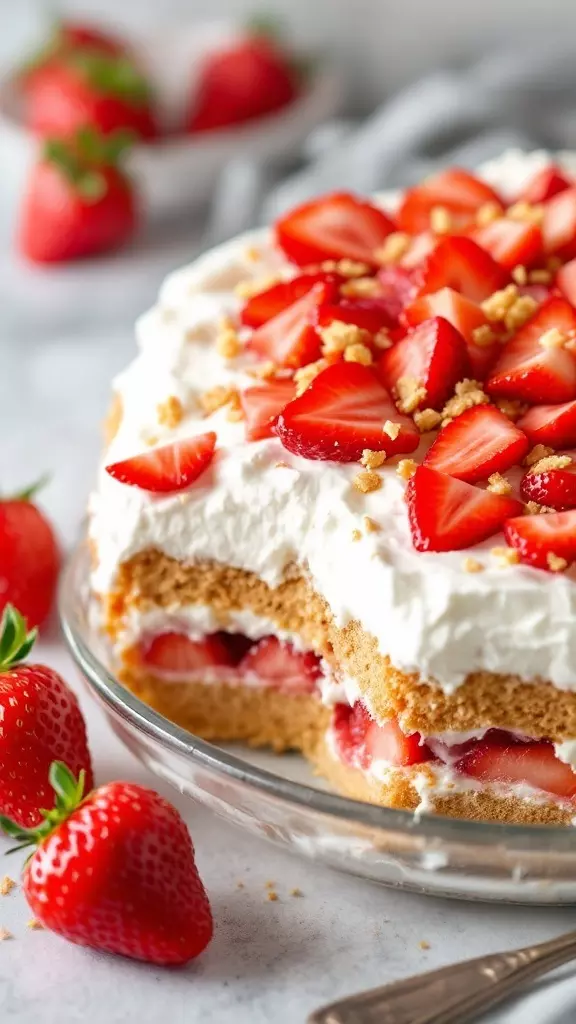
{"x":420,"y":247}
{"x":290,"y":339}
{"x":459,"y":263}
{"x":341,"y":413}
{"x":531,"y":373}
{"x":536,"y":537}
{"x":533,"y":764}
{"x":463,"y":314}
{"x":559,"y":225}
{"x":369,"y":314}
{"x":175,"y":653}
{"x":510,"y":242}
{"x":553,"y":425}
{"x":456,"y":190}
{"x":448,"y":515}
{"x":170,"y":468}
{"x":267,"y":304}
{"x":434,"y":353}
{"x":398,"y":289}
{"x":546,"y":183}
{"x":279,"y":665}
{"x":479,"y":442}
{"x":262,"y":405}
{"x":361,"y":740}
{"x":337,"y":226}
{"x":566,"y":281}
{"x":555,"y":488}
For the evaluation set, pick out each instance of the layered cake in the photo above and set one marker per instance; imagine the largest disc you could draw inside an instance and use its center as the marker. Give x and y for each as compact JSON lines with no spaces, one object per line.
{"x":336,"y":512}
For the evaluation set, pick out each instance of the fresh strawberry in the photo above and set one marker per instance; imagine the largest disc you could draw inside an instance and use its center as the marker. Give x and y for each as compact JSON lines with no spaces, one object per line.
{"x":537,"y":537}
{"x":341,"y":413}
{"x":361,"y":740}
{"x":29,"y":557}
{"x":78,"y":201}
{"x":531,"y":764}
{"x":459,"y":263}
{"x":114,"y":870}
{"x":559,"y":225}
{"x":447,"y":514}
{"x":476,"y":444}
{"x":434,"y":354}
{"x":280,"y":666}
{"x":457,"y":191}
{"x":267,"y":304}
{"x":463,"y":314}
{"x":369,"y":314}
{"x":420,"y":247}
{"x":262,"y":405}
{"x":398,"y":288}
{"x":555,"y":488}
{"x":510,"y":242}
{"x":546,"y":183}
{"x":334,"y":227}
{"x":176,"y":654}
{"x":566,"y":281}
{"x":553,"y":425}
{"x":171,"y":468}
{"x":68,"y":36}
{"x":41,"y":720}
{"x":530,"y":372}
{"x":88,"y":87}
{"x":248,"y":79}
{"x":290,"y":338}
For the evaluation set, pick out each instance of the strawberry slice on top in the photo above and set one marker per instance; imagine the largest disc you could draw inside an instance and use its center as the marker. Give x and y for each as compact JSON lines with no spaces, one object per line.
{"x":543,"y":185}
{"x":476,"y":444}
{"x":448,"y":515}
{"x":341,"y":413}
{"x":542,"y":539}
{"x":528,"y":369}
{"x":168,"y":469}
{"x":337,"y":226}
{"x":461,"y":312}
{"x":566,"y":281}
{"x":454,"y":190}
{"x":290,"y":338}
{"x":510,"y":242}
{"x":553,"y":425}
{"x":559,"y":225}
{"x":262,"y":405}
{"x":434,"y":354}
{"x":397,"y":289}
{"x":459,"y":263}
{"x":265,"y":305}
{"x":555,"y":488}
{"x":369,"y":314}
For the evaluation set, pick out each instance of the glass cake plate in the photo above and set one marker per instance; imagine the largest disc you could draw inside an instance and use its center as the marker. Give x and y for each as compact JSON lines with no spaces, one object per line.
{"x":279,"y":799}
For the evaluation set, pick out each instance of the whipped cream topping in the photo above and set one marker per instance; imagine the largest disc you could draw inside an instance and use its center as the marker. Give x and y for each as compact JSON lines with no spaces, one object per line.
{"x":261,"y":509}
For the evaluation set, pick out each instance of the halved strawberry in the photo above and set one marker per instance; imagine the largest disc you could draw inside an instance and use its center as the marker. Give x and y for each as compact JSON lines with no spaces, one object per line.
{"x":369,"y":314}
{"x":534,"y":764}
{"x":510,"y":242}
{"x":421,"y":246}
{"x":262,"y":405}
{"x":361,"y":740}
{"x":555,"y":488}
{"x":279,"y":665}
{"x":553,"y":425}
{"x":170,"y":468}
{"x":175,"y":653}
{"x":289,"y":338}
{"x":536,"y":537}
{"x":459,"y":263}
{"x":559,"y":225}
{"x":464,"y":315}
{"x":447,"y":514}
{"x":397,"y":287}
{"x":566,"y":281}
{"x":336,"y":226}
{"x":341,"y":413}
{"x":545,"y":184}
{"x":479,"y":442}
{"x":433,"y":353}
{"x":269,"y":303}
{"x":531,"y":373}
{"x":456,"y":190}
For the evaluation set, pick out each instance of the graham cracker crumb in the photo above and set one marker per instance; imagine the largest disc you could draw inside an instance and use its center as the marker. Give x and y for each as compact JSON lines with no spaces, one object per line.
{"x":262,"y":371}
{"x":358,"y":354}
{"x":483,"y":336}
{"x":472,"y":565}
{"x":533,"y":508}
{"x":391,"y":429}
{"x":370,"y":525}
{"x":151,"y":439}
{"x":346,"y":267}
{"x":272,"y":896}
{"x":410,"y":392}
{"x":488,"y":212}
{"x":427,"y":419}
{"x":382,"y":339}
{"x":497,"y":305}
{"x":227,"y":342}
{"x":372,"y":460}
{"x":5,"y":934}
{"x":281,"y":465}
{"x":440,"y":220}
{"x":356,"y":535}
{"x":511,"y":407}
{"x":538,"y":452}
{"x":406,"y":468}
{"x":424,"y":944}
{"x":553,"y":338}
{"x":520,"y":312}
{"x":6,"y":885}
{"x":360,"y":288}
{"x":234,"y":412}
{"x":269,"y":884}
{"x":540,"y":276}
{"x":498,"y":484}
{"x":252,"y":253}
{"x":393,"y":248}
{"x":555,"y":563}
{"x":338,"y":336}
{"x":216,"y":398}
{"x":531,"y":212}
{"x":170,"y":412}
{"x":520,"y":275}
{"x":34,"y":925}
{"x":505,"y":556}
{"x":367,"y":482}
{"x":247,"y":289}
{"x":550,"y":462}
{"x":296,"y":892}
{"x":468,"y":394}
{"x":306,"y":374}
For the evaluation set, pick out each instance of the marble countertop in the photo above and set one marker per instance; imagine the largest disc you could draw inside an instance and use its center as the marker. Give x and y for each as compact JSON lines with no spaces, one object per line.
{"x":63,"y":333}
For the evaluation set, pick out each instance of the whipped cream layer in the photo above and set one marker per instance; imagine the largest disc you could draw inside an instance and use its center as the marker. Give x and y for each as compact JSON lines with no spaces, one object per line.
{"x":262,"y":509}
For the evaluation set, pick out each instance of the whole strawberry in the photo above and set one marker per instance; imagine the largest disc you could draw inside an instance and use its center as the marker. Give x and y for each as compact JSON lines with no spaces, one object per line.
{"x":115,"y":871}
{"x":79,"y":202}
{"x":40,"y":720}
{"x":66,"y":37}
{"x":29,"y":557}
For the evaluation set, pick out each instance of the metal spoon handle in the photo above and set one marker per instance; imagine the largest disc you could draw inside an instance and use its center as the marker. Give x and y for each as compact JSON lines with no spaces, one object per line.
{"x":450,"y":995}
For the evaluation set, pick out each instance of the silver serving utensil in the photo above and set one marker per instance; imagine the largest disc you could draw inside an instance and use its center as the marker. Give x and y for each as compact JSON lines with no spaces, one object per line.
{"x":450,"y":995}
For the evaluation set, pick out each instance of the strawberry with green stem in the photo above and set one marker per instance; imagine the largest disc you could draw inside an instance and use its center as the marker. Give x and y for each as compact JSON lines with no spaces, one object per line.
{"x":29,"y":556}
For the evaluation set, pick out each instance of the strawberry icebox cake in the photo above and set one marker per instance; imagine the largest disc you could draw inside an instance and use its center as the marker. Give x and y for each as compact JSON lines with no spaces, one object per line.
{"x":337,"y":508}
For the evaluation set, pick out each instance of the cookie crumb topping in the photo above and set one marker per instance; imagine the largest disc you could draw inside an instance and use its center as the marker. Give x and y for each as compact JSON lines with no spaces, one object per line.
{"x":538,"y":452}
{"x":555,"y":563}
{"x":427,"y":419}
{"x":505,"y":556}
{"x":370,"y":525}
{"x":394,"y":248}
{"x":440,"y":220}
{"x":406,"y":468}
{"x":358,"y":354}
{"x":498,"y":484}
{"x":410,"y":393}
{"x":391,"y":429}
{"x":366,"y":482}
{"x":372,"y":460}
{"x":472,"y":565}
{"x":171,"y":412}
{"x":306,"y":374}
{"x":550,"y":462}
{"x":217,"y":397}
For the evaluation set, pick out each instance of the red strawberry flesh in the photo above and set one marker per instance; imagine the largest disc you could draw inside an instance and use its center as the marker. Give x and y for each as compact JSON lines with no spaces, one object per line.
{"x":337,"y":226}
{"x":171,"y":468}
{"x":476,"y":444}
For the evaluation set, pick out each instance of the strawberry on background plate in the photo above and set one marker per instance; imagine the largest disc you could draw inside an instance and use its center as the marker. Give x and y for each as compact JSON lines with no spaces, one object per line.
{"x":168,"y":469}
{"x":78,"y":200}
{"x":115,"y":870}
{"x":41,"y":721}
{"x":333,"y":227}
{"x":479,"y":442}
{"x":68,"y":36}
{"x":29,"y":557}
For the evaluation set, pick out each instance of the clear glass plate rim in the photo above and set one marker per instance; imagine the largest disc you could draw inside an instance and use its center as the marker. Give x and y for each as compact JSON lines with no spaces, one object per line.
{"x":72,"y":597}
